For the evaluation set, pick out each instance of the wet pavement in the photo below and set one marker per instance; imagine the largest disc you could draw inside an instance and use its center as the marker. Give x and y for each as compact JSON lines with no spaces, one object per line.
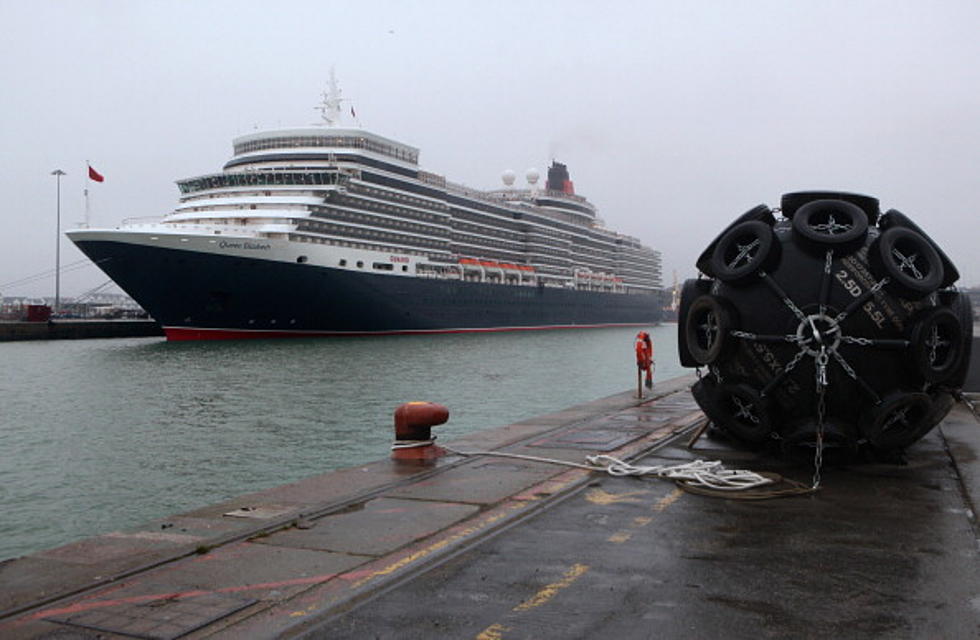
{"x":495,"y":548}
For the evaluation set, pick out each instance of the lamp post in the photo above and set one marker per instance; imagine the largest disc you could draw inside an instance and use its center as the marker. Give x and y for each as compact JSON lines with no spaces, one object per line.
{"x":57,"y":173}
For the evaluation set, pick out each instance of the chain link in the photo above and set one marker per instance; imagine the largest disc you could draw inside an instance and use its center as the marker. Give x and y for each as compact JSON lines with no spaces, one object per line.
{"x":825,"y":282}
{"x":844,"y":365}
{"x":782,"y":295}
{"x":864,"y":342}
{"x":748,"y":335}
{"x":795,"y":361}
{"x":821,"y":379}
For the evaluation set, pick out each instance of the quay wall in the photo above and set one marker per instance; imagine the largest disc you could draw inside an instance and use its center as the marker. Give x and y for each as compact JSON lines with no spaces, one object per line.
{"x":77,"y":329}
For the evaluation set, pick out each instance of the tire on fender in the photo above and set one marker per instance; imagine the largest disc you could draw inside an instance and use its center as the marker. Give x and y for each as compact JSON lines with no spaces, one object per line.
{"x":744,"y":413}
{"x":709,"y":319}
{"x":758,"y":213}
{"x":895,"y":218}
{"x":959,"y":303}
{"x":830,"y":224}
{"x":898,"y":421}
{"x":911,"y":265}
{"x":936,"y":348}
{"x":689,"y":292}
{"x":744,"y":251}
{"x":790,"y":203}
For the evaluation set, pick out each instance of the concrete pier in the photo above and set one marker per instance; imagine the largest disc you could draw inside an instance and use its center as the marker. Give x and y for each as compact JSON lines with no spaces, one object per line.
{"x":60,"y":329}
{"x":494,"y":548}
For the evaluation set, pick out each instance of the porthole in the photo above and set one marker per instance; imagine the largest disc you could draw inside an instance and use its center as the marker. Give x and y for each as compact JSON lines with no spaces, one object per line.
{"x":302,"y":259}
{"x":360,"y":264}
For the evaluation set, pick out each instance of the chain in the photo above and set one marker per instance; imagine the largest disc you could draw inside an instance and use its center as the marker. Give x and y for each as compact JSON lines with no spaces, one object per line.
{"x":795,"y":361}
{"x":825,"y":283}
{"x":875,"y":288}
{"x":821,"y":379}
{"x":822,"y":360}
{"x":864,"y":342}
{"x":848,"y":369}
{"x":782,"y":295}
{"x":747,"y":335}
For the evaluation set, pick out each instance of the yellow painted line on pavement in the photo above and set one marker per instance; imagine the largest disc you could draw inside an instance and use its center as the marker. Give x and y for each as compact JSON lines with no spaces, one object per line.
{"x":619,"y":537}
{"x":493,"y":632}
{"x":550,"y":591}
{"x":441,"y":544}
{"x":600,"y":497}
{"x":669,"y":499}
{"x":623,"y":535}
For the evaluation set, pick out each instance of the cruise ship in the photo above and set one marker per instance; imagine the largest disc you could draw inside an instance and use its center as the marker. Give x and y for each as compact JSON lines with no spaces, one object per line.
{"x":334,"y":230}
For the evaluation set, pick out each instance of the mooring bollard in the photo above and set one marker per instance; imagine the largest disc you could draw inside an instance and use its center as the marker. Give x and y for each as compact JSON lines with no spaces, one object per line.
{"x":413,"y":436}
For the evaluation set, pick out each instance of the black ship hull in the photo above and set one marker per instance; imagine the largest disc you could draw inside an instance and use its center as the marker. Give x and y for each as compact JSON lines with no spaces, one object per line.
{"x":200,"y":295}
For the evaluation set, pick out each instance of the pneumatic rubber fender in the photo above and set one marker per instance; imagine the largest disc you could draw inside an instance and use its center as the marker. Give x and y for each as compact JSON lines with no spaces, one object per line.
{"x":864,"y":300}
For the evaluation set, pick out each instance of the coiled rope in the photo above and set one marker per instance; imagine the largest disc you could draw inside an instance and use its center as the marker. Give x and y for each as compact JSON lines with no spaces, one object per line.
{"x":704,"y":477}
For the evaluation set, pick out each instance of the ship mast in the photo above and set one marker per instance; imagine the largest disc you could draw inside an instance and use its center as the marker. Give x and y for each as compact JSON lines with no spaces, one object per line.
{"x":330,"y":107}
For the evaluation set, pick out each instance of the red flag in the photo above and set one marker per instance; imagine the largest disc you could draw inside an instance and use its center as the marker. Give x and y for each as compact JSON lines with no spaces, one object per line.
{"x":95,"y":175}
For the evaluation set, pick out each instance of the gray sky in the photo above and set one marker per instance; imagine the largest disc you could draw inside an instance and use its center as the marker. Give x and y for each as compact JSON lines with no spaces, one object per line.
{"x":673,"y":117}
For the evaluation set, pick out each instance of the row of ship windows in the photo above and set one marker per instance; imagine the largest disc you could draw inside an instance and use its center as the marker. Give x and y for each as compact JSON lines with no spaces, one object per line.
{"x":380,"y":235}
{"x":458,"y":214}
{"x":487,"y":231}
{"x":392,"y":195}
{"x":351,"y":142}
{"x":338,"y":242}
{"x":545,"y":265}
{"x":342,"y":215}
{"x":254,"y":178}
{"x":383,"y":208}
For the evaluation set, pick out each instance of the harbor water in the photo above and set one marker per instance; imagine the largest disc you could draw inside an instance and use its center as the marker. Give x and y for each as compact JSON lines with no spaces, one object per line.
{"x":100,"y":435}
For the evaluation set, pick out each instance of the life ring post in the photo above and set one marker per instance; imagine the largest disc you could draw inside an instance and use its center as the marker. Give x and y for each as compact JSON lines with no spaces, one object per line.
{"x":644,"y":361}
{"x":413,"y":431}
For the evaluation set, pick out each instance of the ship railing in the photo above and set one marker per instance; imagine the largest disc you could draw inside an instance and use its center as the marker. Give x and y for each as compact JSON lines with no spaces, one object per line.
{"x":252,"y":232}
{"x":141,"y":221}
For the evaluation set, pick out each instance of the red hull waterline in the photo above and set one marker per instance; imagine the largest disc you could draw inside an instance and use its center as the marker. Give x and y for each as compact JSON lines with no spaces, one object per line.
{"x":181,"y":334}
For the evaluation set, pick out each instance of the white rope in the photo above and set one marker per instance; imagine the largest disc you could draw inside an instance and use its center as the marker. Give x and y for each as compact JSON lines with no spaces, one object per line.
{"x":710,"y":474}
{"x":699,"y":473}
{"x":412,"y":444}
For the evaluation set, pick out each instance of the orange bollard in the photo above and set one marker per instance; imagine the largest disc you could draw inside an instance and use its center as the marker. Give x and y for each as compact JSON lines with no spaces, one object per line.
{"x":413,"y":436}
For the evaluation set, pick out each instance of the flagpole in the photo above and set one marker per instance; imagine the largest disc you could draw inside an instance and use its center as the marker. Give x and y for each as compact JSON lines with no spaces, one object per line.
{"x":88,"y":178}
{"x":57,"y":173}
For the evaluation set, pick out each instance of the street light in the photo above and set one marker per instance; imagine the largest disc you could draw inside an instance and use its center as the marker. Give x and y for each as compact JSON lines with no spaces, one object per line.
{"x":57,"y":173}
